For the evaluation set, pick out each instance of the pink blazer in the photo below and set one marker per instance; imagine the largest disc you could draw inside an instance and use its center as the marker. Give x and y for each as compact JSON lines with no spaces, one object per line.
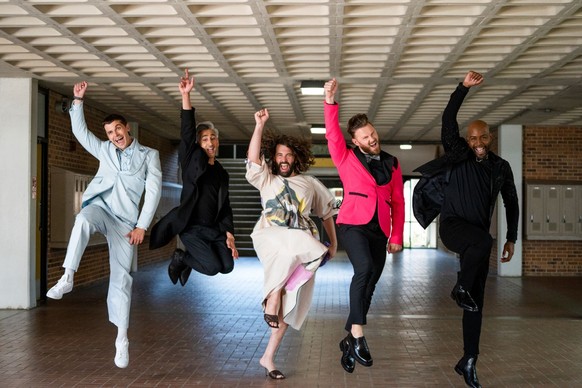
{"x":361,"y":193}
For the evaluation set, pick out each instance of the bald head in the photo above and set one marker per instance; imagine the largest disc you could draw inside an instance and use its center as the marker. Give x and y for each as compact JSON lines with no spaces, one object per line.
{"x":477,"y":126}
{"x":479,"y":138}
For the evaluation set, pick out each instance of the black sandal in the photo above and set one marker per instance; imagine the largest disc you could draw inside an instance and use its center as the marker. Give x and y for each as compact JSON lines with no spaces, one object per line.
{"x":275,"y":374}
{"x":272,"y":321}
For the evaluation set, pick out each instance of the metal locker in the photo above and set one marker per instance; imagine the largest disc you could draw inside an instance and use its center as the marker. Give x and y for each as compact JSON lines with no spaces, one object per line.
{"x":569,"y":211}
{"x":553,"y":213}
{"x":535,"y":208}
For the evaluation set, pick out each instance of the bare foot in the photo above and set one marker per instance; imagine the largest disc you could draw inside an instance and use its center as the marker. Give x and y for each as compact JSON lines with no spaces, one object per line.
{"x":266,"y":363}
{"x":272,"y":305}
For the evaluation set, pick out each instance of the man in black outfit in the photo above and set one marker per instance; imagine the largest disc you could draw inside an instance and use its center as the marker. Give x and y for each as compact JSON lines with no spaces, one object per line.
{"x":203,"y":220}
{"x":463,"y":185}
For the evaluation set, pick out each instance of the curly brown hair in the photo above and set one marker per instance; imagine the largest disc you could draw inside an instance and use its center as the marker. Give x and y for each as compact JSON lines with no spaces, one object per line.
{"x":301,"y":150}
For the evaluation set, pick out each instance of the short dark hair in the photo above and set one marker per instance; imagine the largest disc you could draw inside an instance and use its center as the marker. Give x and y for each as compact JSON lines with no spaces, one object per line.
{"x":356,"y":122}
{"x":113,"y":117}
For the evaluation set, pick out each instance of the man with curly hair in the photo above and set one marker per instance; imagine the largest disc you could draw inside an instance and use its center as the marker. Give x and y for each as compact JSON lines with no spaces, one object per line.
{"x":285,"y":238}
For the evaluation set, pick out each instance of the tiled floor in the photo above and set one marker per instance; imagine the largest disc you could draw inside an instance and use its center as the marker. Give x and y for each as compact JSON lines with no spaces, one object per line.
{"x":211,"y":332}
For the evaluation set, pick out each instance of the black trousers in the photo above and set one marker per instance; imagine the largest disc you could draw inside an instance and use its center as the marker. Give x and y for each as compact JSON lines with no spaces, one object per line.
{"x":366,"y":249}
{"x":473,"y":244}
{"x":206,"y":250}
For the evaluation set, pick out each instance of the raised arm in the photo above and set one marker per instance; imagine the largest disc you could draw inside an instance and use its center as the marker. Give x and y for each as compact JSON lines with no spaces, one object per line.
{"x":335,"y":139}
{"x":254,"y":154}
{"x":79,"y":92}
{"x":188,"y":120}
{"x":452,"y":141}
{"x":330,"y":88}
{"x":185,"y":87}
{"x":86,"y":138}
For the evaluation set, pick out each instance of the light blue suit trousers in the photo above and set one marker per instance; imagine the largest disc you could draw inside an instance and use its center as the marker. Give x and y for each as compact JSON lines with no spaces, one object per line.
{"x":96,"y":219}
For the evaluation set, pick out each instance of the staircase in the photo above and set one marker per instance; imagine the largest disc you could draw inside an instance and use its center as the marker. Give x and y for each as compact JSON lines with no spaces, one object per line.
{"x":246,"y":205}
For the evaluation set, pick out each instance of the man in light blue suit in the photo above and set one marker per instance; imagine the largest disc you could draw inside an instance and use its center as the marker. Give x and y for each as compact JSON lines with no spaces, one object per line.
{"x":111,"y":207}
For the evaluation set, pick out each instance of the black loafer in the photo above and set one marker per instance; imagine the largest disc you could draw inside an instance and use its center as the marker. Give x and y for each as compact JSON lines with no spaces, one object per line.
{"x":359,"y":350}
{"x":176,"y":265}
{"x":347,"y":360}
{"x":467,"y":367}
{"x":464,"y":299}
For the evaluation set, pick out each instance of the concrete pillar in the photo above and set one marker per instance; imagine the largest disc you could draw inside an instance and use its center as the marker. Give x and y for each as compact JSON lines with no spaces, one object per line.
{"x":511,"y":149}
{"x":17,"y":206}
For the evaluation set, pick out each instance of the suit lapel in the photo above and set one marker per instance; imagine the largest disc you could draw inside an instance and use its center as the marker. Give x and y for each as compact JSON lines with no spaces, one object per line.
{"x":138,"y":157}
{"x":362,"y":158}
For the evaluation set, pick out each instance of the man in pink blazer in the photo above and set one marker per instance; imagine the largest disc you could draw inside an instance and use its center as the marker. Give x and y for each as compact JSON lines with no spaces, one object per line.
{"x":370,"y":219}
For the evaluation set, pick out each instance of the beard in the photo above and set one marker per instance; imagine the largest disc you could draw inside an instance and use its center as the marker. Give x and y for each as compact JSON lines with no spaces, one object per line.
{"x":368,"y":150}
{"x":284,"y":174}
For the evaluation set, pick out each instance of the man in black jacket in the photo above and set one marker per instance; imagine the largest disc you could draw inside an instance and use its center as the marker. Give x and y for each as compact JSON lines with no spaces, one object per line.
{"x":463,"y":186}
{"x":203,"y":220}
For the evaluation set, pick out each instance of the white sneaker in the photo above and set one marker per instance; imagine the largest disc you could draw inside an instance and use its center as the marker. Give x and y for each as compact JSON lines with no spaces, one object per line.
{"x":62,"y":287}
{"x":122,"y":353}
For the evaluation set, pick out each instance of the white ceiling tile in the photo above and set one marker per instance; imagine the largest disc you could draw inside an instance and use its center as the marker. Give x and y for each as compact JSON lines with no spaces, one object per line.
{"x":396,"y":60}
{"x":144,"y":9}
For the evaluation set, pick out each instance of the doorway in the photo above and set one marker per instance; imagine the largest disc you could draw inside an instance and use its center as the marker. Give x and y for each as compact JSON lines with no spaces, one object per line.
{"x":40,"y":191}
{"x":415,"y":236}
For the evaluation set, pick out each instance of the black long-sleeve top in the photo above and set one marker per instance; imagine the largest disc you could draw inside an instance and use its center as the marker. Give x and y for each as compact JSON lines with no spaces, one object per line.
{"x":474,"y":185}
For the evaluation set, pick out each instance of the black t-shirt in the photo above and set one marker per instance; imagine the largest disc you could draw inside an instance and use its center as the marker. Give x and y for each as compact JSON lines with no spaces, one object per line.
{"x":206,"y":208}
{"x":468,"y":194}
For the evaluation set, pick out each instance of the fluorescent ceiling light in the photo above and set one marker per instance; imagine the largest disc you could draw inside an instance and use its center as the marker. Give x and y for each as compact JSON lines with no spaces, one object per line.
{"x":312,"y":88}
{"x":318,"y":129}
{"x":405,"y":146}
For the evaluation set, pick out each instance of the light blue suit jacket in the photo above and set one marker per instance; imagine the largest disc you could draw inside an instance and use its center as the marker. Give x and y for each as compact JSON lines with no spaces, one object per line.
{"x":126,"y":187}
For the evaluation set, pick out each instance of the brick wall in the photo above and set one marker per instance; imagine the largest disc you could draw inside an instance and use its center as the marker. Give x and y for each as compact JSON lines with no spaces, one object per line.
{"x":551,"y":154}
{"x":65,"y":152}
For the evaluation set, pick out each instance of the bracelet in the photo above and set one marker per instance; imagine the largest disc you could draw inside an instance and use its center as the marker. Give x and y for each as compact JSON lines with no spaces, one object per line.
{"x":77,"y":98}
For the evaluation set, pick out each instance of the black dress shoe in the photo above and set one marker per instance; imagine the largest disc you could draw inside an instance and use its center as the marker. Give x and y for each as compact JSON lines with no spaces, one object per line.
{"x":359,"y":350}
{"x":464,"y":299}
{"x":184,"y":275}
{"x":176,"y":265}
{"x":347,"y":360}
{"x":467,"y":368}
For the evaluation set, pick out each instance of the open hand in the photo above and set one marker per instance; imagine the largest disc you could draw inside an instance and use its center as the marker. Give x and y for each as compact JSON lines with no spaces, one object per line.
{"x":136,"y":236}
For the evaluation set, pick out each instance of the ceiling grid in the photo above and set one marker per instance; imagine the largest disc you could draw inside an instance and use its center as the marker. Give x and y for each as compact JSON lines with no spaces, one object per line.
{"x":396,"y":60}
